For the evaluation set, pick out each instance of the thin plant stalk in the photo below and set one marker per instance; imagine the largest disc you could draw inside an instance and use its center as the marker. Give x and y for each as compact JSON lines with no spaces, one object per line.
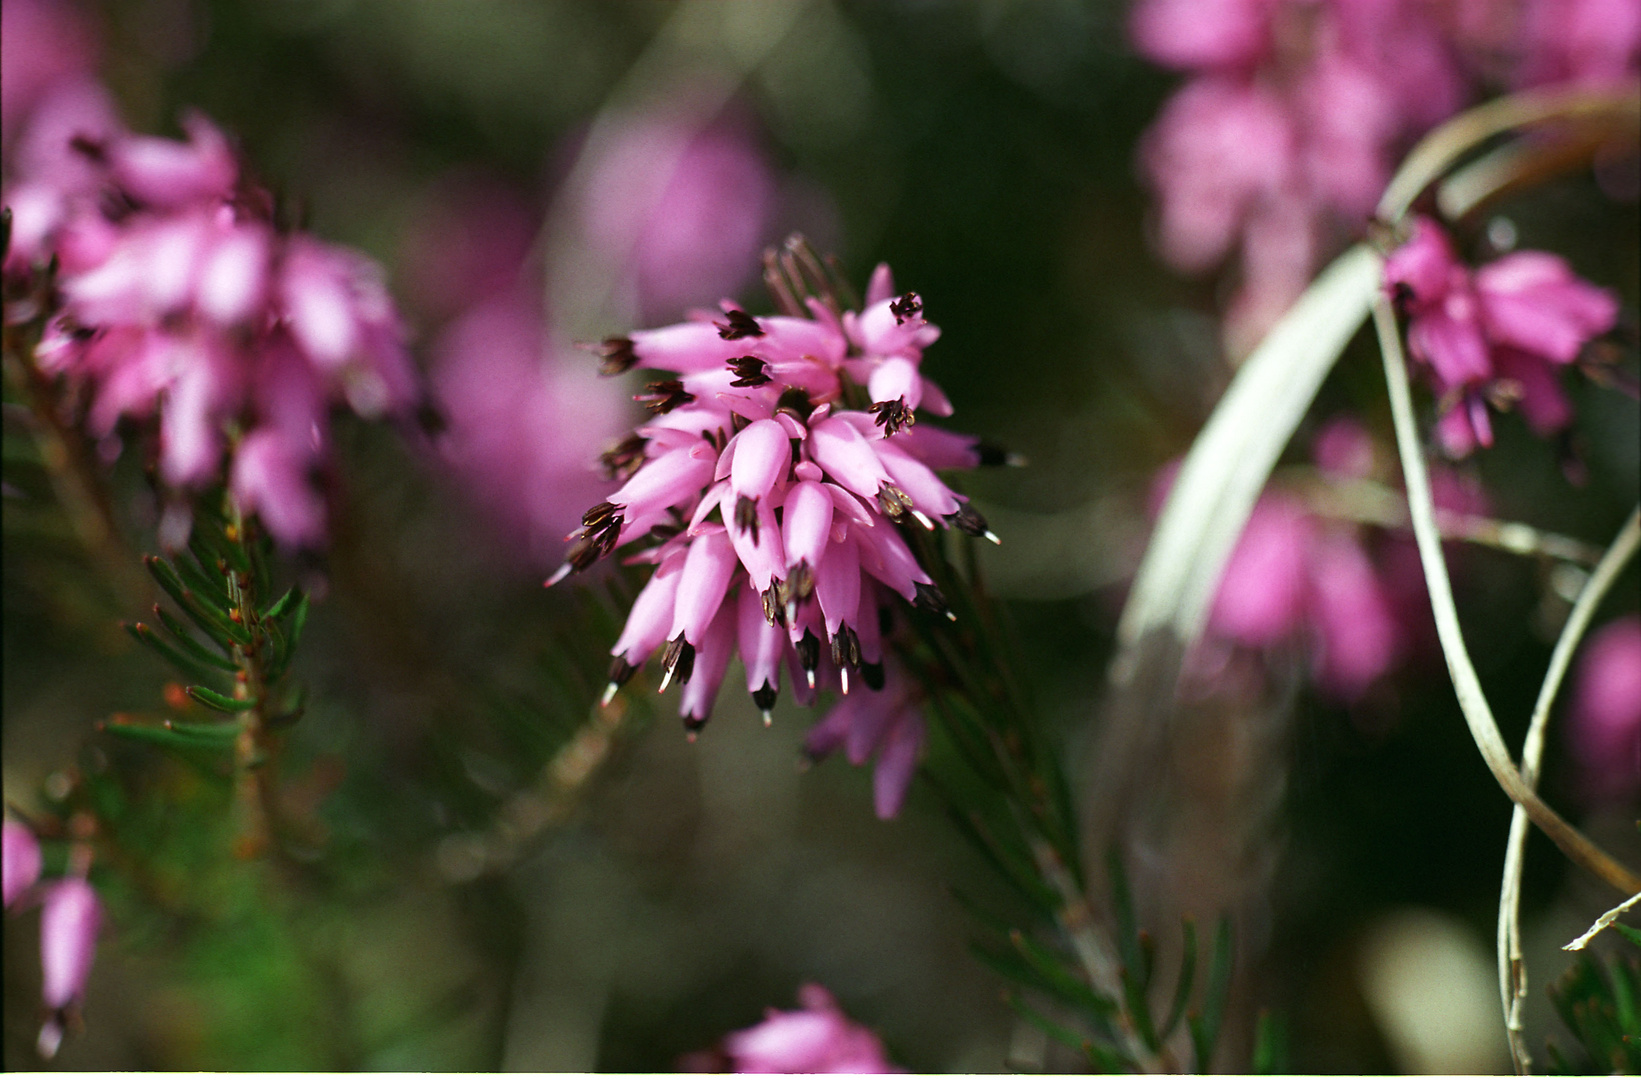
{"x":1512,"y":971}
{"x":1473,"y":704}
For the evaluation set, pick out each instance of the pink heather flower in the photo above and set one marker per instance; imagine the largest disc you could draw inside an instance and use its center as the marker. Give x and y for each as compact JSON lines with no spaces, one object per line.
{"x":1284,"y":133}
{"x":682,"y":210}
{"x":817,"y":1038}
{"x":70,"y":916}
{"x":467,"y":244}
{"x":43,"y":43}
{"x":21,"y":860}
{"x":888,"y":723}
{"x":771,"y":486}
{"x":1604,"y":723}
{"x":183,"y":301}
{"x":1593,"y":42}
{"x":525,"y":424}
{"x":1496,"y":335}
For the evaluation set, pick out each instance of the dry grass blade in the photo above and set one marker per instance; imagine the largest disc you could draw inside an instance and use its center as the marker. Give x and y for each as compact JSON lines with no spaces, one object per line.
{"x":1232,"y":458}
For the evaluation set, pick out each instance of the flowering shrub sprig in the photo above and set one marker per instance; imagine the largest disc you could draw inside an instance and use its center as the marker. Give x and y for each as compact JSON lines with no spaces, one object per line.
{"x":183,"y":297}
{"x":771,"y":485}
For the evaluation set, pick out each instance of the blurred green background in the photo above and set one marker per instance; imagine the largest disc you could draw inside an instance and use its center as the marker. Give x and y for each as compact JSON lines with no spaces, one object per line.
{"x":470,"y":899}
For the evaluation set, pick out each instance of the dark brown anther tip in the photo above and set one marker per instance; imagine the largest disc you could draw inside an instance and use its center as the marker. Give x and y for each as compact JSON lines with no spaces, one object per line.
{"x":738,"y":324}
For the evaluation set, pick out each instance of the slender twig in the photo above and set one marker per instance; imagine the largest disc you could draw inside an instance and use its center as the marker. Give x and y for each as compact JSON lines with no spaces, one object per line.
{"x":1578,"y":943}
{"x":1372,"y":503}
{"x":1444,"y":147}
{"x":1512,"y":971}
{"x":1473,"y":704}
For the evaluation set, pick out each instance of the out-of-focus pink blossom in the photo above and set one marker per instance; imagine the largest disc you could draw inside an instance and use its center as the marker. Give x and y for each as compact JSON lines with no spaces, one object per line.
{"x":1590,"y":42}
{"x":182,"y":300}
{"x":70,"y":917}
{"x":526,"y":420}
{"x":1496,"y":335}
{"x":683,"y":210}
{"x":817,"y":1038}
{"x":771,"y":481}
{"x":21,"y":860}
{"x":1604,"y":723}
{"x":1283,"y":136}
{"x":888,"y":723}
{"x":42,"y":43}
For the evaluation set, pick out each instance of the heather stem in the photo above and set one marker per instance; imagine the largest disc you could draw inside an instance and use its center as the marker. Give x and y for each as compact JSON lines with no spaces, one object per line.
{"x":1512,"y":972}
{"x":1478,"y":714}
{"x":75,"y":479}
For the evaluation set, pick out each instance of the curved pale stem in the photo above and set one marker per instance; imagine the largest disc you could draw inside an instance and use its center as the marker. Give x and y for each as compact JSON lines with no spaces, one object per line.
{"x":1512,"y":972}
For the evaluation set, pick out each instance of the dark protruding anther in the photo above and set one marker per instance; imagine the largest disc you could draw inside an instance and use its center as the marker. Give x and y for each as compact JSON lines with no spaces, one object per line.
{"x":894,"y":502}
{"x":678,"y":662}
{"x":749,"y":371}
{"x":599,"y":514}
{"x":664,"y":396}
{"x":738,"y":324}
{"x":891,"y":416}
{"x":624,"y":458}
{"x":929,"y":597}
{"x":774,"y":599}
{"x":615,"y":355}
{"x":809,"y":651}
{"x":909,"y":306}
{"x":746,"y":516}
{"x":872,"y":675}
{"x":765,"y":696}
{"x":621,"y":674}
{"x":846,"y":648}
{"x":969,"y":520}
{"x":800,"y":582}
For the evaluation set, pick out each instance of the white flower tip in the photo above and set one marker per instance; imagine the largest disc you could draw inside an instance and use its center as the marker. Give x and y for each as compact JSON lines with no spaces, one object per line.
{"x":923,"y":520}
{"x":1018,"y":461}
{"x":609,"y":694}
{"x":843,"y":676}
{"x":666,"y":681}
{"x":768,"y":719}
{"x":810,"y":674}
{"x":558,"y":575}
{"x":993,"y":537}
{"x":952,"y":615}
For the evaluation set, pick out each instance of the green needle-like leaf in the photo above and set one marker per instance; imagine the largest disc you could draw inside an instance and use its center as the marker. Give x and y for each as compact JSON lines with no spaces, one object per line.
{"x":1270,"y":1044}
{"x":1187,"y":976}
{"x":177,"y":736}
{"x":220,"y":702}
{"x":277,"y":609}
{"x":190,"y":644}
{"x":183,"y":662}
{"x":1099,"y":1057}
{"x":1058,"y":978}
{"x":1205,"y":1028}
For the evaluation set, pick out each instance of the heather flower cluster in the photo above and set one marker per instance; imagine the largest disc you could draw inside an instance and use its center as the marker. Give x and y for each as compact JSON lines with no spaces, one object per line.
{"x":70,"y":918}
{"x":770,"y":485}
{"x":1496,"y":336}
{"x":182,"y":298}
{"x":1294,"y":112}
{"x":816,"y":1038}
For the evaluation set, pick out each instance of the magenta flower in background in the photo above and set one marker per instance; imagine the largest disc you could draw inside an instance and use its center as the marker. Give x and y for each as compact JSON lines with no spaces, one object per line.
{"x":1497,"y":336}
{"x":527,"y":420}
{"x":1604,"y":722}
{"x":468,"y":243}
{"x":1284,"y":134}
{"x":682,"y":210}
{"x":43,"y":44}
{"x":770,"y":484}
{"x":183,"y":302}
{"x":70,"y":917}
{"x":21,"y":854}
{"x":1590,"y":42}
{"x":816,"y":1038}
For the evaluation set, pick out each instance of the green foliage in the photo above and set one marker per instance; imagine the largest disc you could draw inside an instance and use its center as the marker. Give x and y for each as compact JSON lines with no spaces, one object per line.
{"x":1600,"y":1002}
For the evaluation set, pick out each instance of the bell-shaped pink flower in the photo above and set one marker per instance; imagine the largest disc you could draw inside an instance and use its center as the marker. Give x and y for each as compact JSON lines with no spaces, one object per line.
{"x":817,"y":1038}
{"x":70,"y":917}
{"x":21,"y":854}
{"x":1500,"y":333}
